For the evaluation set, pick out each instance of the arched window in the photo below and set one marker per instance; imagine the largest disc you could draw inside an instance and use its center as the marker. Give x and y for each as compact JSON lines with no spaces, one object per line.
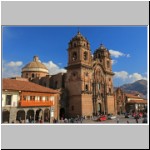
{"x":109,"y":91}
{"x":74,"y":56}
{"x":85,"y":55}
{"x":86,"y":74}
{"x":108,"y":64}
{"x":74,"y":74}
{"x":75,"y":44}
{"x":102,"y":95}
{"x":26,"y":75}
{"x":86,"y":87}
{"x":32,"y":75}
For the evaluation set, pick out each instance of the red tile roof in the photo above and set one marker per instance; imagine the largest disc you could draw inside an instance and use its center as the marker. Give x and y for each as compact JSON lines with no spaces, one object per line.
{"x":137,"y":102}
{"x":133,"y":96}
{"x":17,"y":85}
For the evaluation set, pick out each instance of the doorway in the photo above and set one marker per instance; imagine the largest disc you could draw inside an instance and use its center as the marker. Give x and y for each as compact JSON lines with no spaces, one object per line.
{"x":6,"y":115}
{"x":62,"y":113}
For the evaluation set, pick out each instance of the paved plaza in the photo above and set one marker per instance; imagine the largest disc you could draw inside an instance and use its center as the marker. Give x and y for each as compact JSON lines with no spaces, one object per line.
{"x":120,"y":119}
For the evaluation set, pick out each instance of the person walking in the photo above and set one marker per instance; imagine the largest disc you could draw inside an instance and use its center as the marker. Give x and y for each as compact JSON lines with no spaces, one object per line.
{"x":117,"y":120}
{"x":136,"y":118}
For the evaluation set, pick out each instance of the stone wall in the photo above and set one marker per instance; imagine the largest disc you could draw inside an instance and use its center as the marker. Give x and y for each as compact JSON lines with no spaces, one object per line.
{"x":111,"y":105}
{"x":87,"y":105}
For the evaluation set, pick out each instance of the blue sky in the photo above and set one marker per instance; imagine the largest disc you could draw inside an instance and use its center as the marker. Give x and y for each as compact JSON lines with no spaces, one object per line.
{"x":127,"y":44}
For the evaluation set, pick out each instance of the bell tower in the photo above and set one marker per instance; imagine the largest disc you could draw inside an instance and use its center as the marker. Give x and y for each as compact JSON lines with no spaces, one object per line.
{"x":103,"y":60}
{"x":79,"y":77}
{"x":103,"y":56}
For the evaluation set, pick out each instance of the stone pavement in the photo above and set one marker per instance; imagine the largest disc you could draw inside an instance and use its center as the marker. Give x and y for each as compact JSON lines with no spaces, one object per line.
{"x":122,"y":120}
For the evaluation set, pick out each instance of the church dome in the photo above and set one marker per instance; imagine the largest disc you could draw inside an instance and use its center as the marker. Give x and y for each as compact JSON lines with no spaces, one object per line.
{"x":35,"y":65}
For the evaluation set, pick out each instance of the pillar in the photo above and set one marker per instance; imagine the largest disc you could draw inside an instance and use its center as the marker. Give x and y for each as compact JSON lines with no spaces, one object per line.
{"x":34,"y":115}
{"x":25,"y":116}
{"x":43,"y":116}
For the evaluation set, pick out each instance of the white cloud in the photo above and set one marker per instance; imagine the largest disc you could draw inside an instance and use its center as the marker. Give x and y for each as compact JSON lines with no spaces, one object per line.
{"x":122,"y":74}
{"x":113,"y":62}
{"x":53,"y":68}
{"x":118,"y":54}
{"x":128,"y":78}
{"x":136,"y":76}
{"x":15,"y":64}
{"x":11,"y":69}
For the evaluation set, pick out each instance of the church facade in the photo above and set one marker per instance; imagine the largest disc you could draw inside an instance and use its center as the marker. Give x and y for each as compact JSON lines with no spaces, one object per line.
{"x":87,"y":86}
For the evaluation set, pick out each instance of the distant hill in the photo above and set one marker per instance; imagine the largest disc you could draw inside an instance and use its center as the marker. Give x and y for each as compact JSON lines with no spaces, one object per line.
{"x":139,"y":86}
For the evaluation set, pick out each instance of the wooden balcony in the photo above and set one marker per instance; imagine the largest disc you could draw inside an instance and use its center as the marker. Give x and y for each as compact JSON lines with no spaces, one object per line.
{"x":24,"y":103}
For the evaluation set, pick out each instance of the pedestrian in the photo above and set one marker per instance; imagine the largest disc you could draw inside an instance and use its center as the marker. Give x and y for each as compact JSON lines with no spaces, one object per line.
{"x":20,"y":121}
{"x":127,"y":121}
{"x":54,"y":121}
{"x":136,"y":118}
{"x":117,"y":120}
{"x":144,"y":120}
{"x":27,"y":120}
{"x":46,"y":119}
{"x":81,"y":119}
{"x":30,"y":119}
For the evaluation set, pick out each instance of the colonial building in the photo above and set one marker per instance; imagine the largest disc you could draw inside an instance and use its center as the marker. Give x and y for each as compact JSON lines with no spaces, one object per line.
{"x":120,"y":100}
{"x":23,"y":100}
{"x":87,"y":87}
{"x":135,"y":103}
{"x":129,"y":102}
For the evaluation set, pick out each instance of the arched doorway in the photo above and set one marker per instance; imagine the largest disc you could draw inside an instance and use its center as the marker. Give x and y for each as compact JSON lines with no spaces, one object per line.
{"x":47,"y":115}
{"x":6,"y":115}
{"x":20,"y":116}
{"x":39,"y":115}
{"x":62,"y":113}
{"x":30,"y":115}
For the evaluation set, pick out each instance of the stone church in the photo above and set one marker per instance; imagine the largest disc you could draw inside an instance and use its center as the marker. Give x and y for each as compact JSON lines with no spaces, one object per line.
{"x":87,"y":86}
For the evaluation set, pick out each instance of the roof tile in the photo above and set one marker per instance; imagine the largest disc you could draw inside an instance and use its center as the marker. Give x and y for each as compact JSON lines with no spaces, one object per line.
{"x":12,"y":84}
